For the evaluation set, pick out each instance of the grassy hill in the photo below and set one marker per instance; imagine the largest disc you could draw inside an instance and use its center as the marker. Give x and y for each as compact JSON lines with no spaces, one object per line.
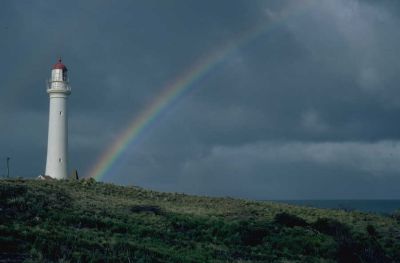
{"x":86,"y":221}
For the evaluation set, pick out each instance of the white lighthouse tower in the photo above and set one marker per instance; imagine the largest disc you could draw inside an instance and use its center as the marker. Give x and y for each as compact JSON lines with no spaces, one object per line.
{"x":57,"y":144}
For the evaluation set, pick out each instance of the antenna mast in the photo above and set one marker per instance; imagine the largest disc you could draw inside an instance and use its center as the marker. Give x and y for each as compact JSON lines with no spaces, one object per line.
{"x":8,"y":166}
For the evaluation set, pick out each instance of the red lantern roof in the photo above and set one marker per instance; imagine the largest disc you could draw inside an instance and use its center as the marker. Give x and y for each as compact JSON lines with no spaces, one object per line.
{"x":60,"y":65}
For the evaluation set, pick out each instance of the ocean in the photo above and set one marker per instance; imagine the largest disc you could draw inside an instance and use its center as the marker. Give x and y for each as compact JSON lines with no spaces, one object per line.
{"x":371,"y":206}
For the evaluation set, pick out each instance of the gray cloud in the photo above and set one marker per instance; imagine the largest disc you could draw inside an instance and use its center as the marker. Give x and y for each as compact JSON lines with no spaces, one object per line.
{"x":241,"y":168}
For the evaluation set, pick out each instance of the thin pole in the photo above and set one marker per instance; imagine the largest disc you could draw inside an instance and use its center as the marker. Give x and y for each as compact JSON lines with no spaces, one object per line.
{"x":8,"y":167}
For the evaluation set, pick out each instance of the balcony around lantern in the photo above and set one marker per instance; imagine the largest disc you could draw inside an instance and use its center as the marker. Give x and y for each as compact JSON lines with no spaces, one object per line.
{"x":58,"y":86}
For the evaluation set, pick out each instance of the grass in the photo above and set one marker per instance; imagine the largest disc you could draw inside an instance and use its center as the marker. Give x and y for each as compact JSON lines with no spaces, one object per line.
{"x":87,"y":221}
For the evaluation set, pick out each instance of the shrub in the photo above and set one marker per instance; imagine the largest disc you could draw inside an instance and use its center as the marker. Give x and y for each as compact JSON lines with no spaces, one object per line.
{"x":331,"y":227}
{"x":289,"y":220}
{"x":350,"y":249}
{"x":396,"y":215}
{"x":361,"y":250}
{"x":11,"y":191}
{"x":252,"y":234}
{"x":89,"y":182}
{"x":146,"y":208}
{"x":372,"y":231}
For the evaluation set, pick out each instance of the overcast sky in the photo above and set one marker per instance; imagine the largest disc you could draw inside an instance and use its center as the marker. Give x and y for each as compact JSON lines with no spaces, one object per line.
{"x":308,"y":109}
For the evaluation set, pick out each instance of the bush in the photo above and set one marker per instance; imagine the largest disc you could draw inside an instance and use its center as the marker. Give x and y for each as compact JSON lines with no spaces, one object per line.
{"x":372,"y":231}
{"x":350,"y":249}
{"x":11,"y":191}
{"x":252,"y":234}
{"x":289,"y":220}
{"x":396,"y":215}
{"x":146,"y":208}
{"x":331,"y":227}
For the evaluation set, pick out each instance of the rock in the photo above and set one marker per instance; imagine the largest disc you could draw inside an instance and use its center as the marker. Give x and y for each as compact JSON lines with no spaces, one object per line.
{"x":44,"y":177}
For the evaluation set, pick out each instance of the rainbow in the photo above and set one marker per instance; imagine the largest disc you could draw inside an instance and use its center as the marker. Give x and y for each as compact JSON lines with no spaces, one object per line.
{"x":178,"y":89}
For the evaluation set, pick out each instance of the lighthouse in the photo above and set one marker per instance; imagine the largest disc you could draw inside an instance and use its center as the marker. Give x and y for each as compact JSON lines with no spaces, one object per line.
{"x":57,"y":143}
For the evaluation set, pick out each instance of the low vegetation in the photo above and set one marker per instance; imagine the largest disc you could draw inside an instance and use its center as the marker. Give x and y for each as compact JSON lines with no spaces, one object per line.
{"x":86,"y":221}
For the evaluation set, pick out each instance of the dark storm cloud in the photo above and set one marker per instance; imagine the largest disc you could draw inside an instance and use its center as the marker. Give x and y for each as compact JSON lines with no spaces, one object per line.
{"x":306,"y":110}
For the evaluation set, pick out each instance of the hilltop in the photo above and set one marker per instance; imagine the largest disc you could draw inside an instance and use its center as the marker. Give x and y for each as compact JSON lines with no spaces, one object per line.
{"x":87,"y":221}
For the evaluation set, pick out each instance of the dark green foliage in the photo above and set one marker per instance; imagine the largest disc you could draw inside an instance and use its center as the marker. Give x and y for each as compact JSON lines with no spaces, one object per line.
{"x":396,"y":215}
{"x":332,"y":227}
{"x":371,"y":230}
{"x":252,"y":233}
{"x":290,"y":220}
{"x":351,"y":249}
{"x":10,"y":191}
{"x":86,"y":221}
{"x":146,"y":208}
